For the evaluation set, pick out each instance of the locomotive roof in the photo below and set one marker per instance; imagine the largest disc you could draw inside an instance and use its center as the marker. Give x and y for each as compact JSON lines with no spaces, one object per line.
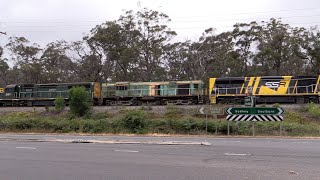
{"x":155,"y":83}
{"x":268,"y":77}
{"x":11,"y":86}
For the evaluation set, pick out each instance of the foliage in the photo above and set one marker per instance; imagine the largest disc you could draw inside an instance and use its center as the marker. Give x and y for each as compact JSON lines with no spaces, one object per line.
{"x":79,"y":101}
{"x":276,"y":105}
{"x":173,"y":111}
{"x":59,"y":104}
{"x":138,"y":121}
{"x":134,"y":121}
{"x":314,"y":110}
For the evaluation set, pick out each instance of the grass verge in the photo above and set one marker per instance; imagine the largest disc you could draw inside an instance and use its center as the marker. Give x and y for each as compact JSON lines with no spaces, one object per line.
{"x":144,"y":122}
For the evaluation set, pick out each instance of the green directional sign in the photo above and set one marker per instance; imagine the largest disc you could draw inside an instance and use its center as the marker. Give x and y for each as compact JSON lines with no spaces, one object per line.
{"x":254,"y":111}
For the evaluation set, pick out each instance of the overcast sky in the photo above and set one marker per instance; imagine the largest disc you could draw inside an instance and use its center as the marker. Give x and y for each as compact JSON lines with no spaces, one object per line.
{"x":44,"y":21}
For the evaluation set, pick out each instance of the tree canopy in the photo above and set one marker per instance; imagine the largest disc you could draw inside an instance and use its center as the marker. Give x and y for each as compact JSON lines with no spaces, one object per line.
{"x":139,"y":46}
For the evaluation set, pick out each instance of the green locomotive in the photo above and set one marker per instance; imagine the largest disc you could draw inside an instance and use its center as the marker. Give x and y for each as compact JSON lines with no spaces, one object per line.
{"x":43,"y":94}
{"x":153,"y":93}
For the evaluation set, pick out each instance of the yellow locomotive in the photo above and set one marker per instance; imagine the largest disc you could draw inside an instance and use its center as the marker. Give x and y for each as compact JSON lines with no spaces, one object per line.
{"x":267,"y":89}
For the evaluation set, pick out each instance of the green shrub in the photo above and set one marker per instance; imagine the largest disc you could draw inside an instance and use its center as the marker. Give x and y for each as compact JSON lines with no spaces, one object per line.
{"x":314,"y":109}
{"x":59,"y":104}
{"x":79,"y":101}
{"x":303,"y":108}
{"x":100,"y":115}
{"x":134,"y":121}
{"x":161,"y":126}
{"x":294,"y":117}
{"x":276,"y":105}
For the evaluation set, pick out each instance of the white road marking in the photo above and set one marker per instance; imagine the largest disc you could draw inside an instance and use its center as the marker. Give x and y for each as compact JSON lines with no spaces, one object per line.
{"x":26,"y":148}
{"x":233,"y":154}
{"x":126,"y":151}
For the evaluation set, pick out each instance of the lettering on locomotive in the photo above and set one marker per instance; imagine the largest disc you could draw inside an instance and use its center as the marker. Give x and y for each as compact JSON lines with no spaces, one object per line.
{"x":275,"y":84}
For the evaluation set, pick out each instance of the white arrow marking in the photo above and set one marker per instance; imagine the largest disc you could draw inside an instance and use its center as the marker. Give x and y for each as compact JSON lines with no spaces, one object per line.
{"x":26,"y":148}
{"x":280,"y":111}
{"x":126,"y":151}
{"x":233,"y":154}
{"x":229,"y":111}
{"x":201,"y":110}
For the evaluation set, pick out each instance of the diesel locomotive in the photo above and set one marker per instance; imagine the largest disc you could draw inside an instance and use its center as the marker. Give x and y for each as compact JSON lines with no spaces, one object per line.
{"x":266,"y":89}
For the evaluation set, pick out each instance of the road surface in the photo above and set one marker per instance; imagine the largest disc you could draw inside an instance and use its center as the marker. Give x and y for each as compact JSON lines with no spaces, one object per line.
{"x":226,"y":158}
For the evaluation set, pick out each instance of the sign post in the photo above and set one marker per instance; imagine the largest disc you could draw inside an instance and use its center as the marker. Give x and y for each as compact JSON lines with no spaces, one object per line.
{"x":254,"y":114}
{"x":206,"y":123}
{"x":228,"y":128}
{"x":214,"y":111}
{"x":253,"y":131}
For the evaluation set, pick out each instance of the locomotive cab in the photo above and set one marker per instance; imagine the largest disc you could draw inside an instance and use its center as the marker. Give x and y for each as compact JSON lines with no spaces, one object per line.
{"x":11,"y":91}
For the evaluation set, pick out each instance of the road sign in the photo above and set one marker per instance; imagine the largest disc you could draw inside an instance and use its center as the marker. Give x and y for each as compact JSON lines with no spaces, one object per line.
{"x":211,"y":110}
{"x":201,"y":110}
{"x":254,"y":111}
{"x":254,"y":118}
{"x":254,"y":114}
{"x":215,"y":110}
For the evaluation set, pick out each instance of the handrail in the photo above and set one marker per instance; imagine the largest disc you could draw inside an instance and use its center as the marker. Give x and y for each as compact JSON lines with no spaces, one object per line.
{"x":167,"y":91}
{"x":41,"y":93}
{"x":237,"y":90}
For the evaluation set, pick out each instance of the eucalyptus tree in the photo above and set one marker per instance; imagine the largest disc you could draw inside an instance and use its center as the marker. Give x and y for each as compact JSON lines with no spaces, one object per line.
{"x":134,"y":46}
{"x":153,"y":40}
{"x":56,"y":64}
{"x":212,"y":56}
{"x":246,"y":39}
{"x":274,"y":47}
{"x":88,"y":61}
{"x":312,"y":47}
{"x":113,"y":45}
{"x":176,"y":56}
{"x":297,"y":63}
{"x":25,"y":57}
{"x":4,"y":70}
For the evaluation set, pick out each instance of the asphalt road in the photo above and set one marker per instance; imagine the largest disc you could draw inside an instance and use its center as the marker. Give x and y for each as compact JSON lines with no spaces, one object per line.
{"x":226,"y":158}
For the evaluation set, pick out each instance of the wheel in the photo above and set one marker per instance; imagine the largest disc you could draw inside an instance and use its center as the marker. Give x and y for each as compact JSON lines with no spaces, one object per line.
{"x":300,"y":100}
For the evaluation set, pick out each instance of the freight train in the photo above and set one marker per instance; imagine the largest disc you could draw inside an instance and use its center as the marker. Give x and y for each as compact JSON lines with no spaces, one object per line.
{"x":233,"y":90}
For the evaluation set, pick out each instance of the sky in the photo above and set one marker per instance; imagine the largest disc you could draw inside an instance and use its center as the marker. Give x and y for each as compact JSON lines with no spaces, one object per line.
{"x":45,"y":21}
